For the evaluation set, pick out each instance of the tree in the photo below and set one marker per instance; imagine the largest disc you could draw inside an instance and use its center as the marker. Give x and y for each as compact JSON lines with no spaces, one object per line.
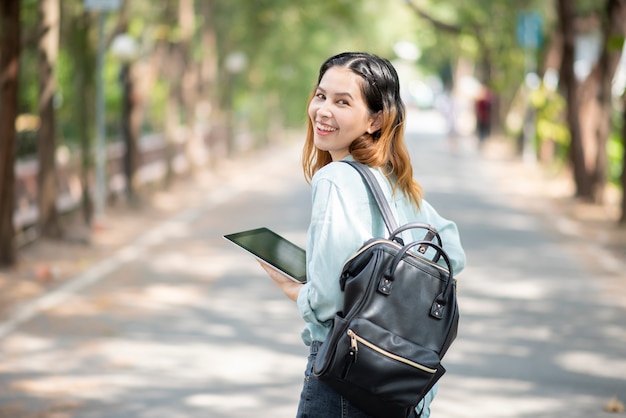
{"x":189,"y":80}
{"x":131,"y":126}
{"x":80,"y":46}
{"x":596,"y":101}
{"x":208,"y":103}
{"x":622,"y":219}
{"x":482,"y":31}
{"x":49,"y":19}
{"x":9,"y":73}
{"x":590,"y":103}
{"x":173,"y":59}
{"x":569,"y":88}
{"x":131,"y":115}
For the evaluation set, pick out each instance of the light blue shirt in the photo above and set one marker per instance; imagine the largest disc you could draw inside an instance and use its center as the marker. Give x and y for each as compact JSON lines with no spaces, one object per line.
{"x":344,"y":215}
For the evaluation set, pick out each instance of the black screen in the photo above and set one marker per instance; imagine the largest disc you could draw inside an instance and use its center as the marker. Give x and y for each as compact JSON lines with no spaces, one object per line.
{"x":273,"y":249}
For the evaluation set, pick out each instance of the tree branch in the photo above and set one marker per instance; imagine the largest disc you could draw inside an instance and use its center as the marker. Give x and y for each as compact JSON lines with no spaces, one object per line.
{"x":438,"y":24}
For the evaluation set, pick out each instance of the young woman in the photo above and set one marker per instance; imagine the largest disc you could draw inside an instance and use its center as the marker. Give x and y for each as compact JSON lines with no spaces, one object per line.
{"x":355,"y":113}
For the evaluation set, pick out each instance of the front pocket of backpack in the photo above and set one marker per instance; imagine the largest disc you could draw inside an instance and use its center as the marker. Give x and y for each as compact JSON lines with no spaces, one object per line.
{"x":387,"y":365}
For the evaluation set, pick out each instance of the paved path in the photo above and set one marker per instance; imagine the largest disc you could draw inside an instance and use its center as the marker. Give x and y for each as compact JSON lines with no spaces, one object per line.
{"x":181,"y":324}
{"x":540,"y":334}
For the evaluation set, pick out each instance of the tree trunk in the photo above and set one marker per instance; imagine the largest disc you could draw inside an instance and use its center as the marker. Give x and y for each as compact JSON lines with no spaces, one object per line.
{"x":569,"y":87}
{"x":185,"y":83}
{"x":83,"y":91}
{"x":49,"y":16}
{"x":622,"y":219}
{"x":179,"y":107}
{"x":9,"y":71}
{"x":172,"y":110}
{"x":208,"y":99}
{"x":596,"y":99}
{"x":131,"y":125}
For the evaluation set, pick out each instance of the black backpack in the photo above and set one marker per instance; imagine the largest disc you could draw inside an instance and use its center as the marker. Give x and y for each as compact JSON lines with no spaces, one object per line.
{"x":399,"y":318}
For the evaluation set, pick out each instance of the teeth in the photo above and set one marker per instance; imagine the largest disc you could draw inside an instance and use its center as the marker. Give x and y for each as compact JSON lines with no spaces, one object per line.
{"x":326,"y":128}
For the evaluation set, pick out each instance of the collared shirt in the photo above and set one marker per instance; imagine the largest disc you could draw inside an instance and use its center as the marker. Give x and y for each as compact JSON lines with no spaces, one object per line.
{"x":344,"y":215}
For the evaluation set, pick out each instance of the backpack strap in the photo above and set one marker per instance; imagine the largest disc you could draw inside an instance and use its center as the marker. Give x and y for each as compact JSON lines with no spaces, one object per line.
{"x":383,"y":206}
{"x":374,"y":187}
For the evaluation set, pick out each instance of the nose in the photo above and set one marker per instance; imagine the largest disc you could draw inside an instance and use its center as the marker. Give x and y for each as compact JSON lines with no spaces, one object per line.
{"x":324,"y":110}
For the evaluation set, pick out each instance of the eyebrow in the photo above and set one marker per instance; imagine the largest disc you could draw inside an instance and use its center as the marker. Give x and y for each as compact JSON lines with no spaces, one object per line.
{"x":337,"y":94}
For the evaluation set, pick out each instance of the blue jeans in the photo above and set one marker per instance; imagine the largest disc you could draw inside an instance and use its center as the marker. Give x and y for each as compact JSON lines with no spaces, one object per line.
{"x":317,"y":400}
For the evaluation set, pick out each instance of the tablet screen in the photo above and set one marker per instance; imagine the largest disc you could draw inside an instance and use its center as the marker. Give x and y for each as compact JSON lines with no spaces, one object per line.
{"x":275,"y":250}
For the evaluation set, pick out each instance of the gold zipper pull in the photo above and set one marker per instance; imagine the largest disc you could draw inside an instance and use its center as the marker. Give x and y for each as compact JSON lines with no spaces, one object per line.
{"x":354,"y":348}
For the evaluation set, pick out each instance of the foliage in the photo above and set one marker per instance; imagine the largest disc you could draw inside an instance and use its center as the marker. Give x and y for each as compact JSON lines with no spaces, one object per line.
{"x":550,"y":119}
{"x":486,"y":30}
{"x":288,"y":42}
{"x":284,"y":42}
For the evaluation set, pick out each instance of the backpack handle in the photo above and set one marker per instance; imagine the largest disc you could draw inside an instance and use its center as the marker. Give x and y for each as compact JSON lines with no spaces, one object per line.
{"x":430,"y":234}
{"x":441,"y":299}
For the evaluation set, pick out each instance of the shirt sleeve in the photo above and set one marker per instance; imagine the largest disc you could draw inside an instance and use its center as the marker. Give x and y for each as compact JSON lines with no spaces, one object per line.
{"x":450,"y":237}
{"x":334,"y":235}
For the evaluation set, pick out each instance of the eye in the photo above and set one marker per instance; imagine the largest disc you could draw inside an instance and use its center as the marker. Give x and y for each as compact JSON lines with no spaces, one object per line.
{"x":343,"y":102}
{"x":320,"y":96}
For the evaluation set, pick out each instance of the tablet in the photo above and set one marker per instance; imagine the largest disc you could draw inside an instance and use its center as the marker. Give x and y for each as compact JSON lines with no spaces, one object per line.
{"x":271,"y":248}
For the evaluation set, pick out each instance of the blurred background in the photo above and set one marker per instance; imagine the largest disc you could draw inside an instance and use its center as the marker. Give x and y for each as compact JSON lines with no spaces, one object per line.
{"x":102,"y":101}
{"x":134,"y":134}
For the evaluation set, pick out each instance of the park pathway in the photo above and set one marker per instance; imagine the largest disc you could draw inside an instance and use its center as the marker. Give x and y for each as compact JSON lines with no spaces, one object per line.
{"x":181,"y":324}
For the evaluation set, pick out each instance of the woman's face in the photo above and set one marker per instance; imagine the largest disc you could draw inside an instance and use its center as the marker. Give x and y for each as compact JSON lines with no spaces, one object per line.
{"x":339,"y":113}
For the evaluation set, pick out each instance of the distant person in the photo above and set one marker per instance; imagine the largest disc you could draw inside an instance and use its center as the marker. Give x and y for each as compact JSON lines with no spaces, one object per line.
{"x":483,"y":106}
{"x":355,"y":113}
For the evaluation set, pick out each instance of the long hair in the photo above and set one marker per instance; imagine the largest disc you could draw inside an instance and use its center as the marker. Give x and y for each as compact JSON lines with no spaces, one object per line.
{"x":384,"y":148}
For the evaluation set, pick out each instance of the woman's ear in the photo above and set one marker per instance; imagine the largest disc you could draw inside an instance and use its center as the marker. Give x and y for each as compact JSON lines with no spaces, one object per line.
{"x":376,"y":122}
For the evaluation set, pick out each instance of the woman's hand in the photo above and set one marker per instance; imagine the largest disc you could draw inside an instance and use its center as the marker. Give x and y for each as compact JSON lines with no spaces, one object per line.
{"x":288,"y":286}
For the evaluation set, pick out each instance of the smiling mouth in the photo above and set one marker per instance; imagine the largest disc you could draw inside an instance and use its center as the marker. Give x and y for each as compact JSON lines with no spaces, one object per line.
{"x":325,"y":128}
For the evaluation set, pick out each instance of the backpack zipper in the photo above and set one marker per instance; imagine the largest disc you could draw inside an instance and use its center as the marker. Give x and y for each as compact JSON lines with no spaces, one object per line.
{"x":354,"y":339}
